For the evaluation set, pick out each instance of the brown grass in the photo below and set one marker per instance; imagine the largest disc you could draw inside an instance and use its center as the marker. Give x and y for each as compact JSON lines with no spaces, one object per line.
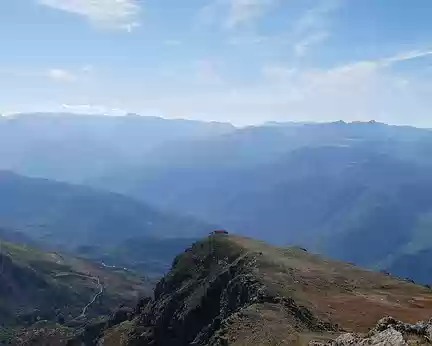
{"x":338,"y":292}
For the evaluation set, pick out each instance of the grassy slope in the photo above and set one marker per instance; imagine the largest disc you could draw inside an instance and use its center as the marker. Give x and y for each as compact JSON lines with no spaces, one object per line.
{"x":341,"y":293}
{"x":48,"y":284}
{"x":347,"y":295}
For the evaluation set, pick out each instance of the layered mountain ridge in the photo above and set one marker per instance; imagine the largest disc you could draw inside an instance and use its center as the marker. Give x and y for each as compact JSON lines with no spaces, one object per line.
{"x":326,"y":186}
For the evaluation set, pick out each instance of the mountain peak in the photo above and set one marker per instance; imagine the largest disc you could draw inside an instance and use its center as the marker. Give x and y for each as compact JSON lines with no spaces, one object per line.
{"x":230,"y":290}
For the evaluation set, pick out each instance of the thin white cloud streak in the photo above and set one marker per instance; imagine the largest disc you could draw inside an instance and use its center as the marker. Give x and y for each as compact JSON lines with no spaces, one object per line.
{"x":54,"y":74}
{"x":386,"y":62}
{"x":312,"y":28}
{"x":119,"y":14}
{"x":93,"y":109}
{"x":415,"y":54}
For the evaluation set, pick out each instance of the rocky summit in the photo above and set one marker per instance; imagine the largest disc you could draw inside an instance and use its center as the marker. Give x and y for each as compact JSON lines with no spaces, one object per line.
{"x":228,"y":290}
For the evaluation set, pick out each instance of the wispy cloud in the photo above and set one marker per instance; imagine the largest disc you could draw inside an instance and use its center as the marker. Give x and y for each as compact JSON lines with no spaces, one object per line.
{"x":120,"y":14}
{"x":312,"y":28}
{"x":384,"y":62}
{"x":56,"y":74}
{"x":316,"y":17}
{"x":61,"y":75}
{"x":406,"y":56}
{"x":302,"y":46}
{"x":65,"y":75}
{"x":93,"y":109}
{"x":235,"y":13}
{"x":243,"y":11}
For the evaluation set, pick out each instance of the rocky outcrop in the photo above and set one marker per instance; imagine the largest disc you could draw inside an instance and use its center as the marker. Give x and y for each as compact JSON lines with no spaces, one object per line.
{"x":423,"y":329}
{"x":389,"y":332}
{"x":388,"y":337}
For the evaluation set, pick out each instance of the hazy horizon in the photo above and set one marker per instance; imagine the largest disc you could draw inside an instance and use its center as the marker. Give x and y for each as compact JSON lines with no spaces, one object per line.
{"x":238,"y":126}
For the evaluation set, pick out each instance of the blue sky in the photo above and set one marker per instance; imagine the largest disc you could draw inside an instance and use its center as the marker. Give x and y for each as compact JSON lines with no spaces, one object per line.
{"x":244,"y":61}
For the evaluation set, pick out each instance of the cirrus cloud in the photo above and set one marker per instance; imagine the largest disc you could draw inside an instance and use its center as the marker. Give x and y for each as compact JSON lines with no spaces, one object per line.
{"x":119,"y":14}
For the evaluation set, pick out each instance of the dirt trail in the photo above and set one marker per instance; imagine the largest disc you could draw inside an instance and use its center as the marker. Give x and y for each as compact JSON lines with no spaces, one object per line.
{"x":96,"y":296}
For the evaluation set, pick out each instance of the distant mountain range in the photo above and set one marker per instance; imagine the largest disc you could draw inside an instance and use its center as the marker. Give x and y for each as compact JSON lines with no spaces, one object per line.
{"x":329,"y":187}
{"x":74,"y":148}
{"x":358,"y":192}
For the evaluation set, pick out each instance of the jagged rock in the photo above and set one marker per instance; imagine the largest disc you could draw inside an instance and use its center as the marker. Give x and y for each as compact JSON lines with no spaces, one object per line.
{"x":347,"y":339}
{"x":388,"y":332}
{"x":422,"y":329}
{"x":388,"y":337}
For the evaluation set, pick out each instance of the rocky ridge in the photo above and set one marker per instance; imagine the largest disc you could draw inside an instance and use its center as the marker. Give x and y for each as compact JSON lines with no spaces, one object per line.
{"x":228,"y":290}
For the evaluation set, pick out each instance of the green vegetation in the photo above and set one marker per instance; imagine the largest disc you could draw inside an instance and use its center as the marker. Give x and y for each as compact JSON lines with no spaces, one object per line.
{"x":37,"y":286}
